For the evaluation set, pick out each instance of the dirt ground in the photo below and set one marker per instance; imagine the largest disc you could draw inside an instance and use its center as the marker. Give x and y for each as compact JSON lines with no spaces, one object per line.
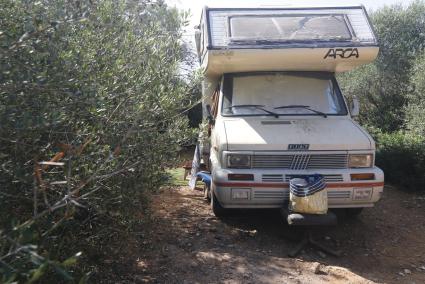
{"x":187,"y":244}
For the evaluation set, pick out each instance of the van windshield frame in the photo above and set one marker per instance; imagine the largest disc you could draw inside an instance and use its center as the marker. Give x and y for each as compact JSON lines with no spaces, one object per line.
{"x":227,"y":93}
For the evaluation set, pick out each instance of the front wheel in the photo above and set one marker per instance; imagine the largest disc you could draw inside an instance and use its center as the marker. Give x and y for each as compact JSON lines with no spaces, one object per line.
{"x":218,"y":210}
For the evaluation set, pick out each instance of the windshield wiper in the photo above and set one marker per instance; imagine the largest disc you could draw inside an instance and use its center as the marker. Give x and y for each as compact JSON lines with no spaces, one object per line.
{"x":260,"y":107}
{"x":305,"y":107}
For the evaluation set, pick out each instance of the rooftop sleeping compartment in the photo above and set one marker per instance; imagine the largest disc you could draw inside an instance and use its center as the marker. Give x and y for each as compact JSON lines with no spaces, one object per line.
{"x":332,"y":39}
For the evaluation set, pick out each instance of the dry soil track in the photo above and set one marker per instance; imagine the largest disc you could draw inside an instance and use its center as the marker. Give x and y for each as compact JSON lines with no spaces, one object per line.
{"x":187,"y":244}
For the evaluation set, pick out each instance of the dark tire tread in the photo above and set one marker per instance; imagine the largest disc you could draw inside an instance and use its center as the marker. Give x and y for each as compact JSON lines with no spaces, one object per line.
{"x":216,"y":207}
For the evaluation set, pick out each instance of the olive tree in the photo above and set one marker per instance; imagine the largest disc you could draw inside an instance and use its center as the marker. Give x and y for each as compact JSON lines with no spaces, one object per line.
{"x":91,"y":105}
{"x":384,"y":85}
{"x":415,"y":110}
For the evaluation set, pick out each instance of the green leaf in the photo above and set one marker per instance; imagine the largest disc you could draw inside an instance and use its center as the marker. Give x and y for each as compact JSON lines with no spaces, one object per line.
{"x":36,"y":274}
{"x":72,"y":260}
{"x":62,"y":272}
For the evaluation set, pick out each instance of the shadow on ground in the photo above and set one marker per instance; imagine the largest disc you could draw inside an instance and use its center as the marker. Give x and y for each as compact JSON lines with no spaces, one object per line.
{"x":187,"y":244}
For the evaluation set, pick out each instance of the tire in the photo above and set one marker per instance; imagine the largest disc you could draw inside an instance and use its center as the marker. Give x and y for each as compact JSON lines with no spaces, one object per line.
{"x":352,"y":213}
{"x":216,"y":207}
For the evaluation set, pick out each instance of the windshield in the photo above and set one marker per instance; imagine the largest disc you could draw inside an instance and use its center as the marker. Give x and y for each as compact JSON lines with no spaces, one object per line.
{"x":282,"y":94}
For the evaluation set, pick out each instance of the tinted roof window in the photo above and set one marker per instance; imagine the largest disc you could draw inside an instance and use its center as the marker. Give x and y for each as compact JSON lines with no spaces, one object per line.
{"x":289,"y":28}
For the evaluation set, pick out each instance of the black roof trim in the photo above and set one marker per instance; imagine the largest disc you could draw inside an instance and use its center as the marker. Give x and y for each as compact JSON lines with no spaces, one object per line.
{"x":284,"y":8}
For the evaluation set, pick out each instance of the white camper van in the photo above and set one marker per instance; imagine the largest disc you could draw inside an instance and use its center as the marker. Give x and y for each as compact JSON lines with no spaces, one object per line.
{"x":276,"y":110}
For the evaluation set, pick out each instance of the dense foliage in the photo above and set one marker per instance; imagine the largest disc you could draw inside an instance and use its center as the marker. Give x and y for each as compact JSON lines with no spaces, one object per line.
{"x":392,"y":92}
{"x":384,"y":86}
{"x":402,"y":157}
{"x":415,"y":110}
{"x":90,"y":109}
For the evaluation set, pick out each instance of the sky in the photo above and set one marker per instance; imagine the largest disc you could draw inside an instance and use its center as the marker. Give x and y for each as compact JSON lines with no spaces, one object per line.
{"x":195,"y":6}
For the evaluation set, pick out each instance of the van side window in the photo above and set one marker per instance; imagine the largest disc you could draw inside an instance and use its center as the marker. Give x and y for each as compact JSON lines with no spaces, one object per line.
{"x":202,"y":40}
{"x":214,"y":106}
{"x":227,"y":90}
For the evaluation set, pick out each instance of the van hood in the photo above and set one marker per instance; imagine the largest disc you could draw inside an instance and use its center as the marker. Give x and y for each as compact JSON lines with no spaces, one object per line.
{"x":326,"y":134}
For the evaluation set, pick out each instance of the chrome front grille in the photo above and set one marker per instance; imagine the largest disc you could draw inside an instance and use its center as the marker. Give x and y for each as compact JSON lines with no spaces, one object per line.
{"x":328,"y":178}
{"x":272,"y":178}
{"x":301,"y":161}
{"x":272,"y":161}
{"x":339,"y":194}
{"x":279,"y":178}
{"x":260,"y":194}
{"x":284,"y":195}
{"x":328,"y":161}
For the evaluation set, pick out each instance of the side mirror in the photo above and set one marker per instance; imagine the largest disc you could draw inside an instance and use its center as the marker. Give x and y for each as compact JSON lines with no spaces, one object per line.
{"x":355,"y":107}
{"x":210,"y":117}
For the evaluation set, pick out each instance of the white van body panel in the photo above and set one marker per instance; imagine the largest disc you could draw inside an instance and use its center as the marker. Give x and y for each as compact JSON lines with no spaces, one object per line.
{"x":306,"y":59}
{"x":322,"y":134}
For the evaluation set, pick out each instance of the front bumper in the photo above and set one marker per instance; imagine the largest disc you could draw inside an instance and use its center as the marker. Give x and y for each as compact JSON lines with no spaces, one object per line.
{"x":270,"y":188}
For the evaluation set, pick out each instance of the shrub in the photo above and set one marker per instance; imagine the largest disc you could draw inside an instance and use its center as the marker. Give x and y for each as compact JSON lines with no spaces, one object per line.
{"x":91,"y":102}
{"x":402,"y":157}
{"x":383,"y":86}
{"x":415,"y":110}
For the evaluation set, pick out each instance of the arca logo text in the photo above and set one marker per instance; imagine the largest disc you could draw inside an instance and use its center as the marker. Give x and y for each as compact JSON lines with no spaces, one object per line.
{"x":342,"y":53}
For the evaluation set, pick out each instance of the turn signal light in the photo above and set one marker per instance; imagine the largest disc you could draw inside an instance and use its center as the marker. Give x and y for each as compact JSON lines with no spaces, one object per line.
{"x":240,"y":176}
{"x":362,"y":176}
